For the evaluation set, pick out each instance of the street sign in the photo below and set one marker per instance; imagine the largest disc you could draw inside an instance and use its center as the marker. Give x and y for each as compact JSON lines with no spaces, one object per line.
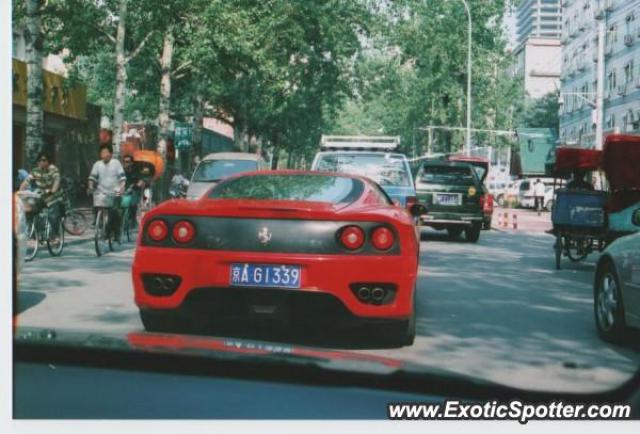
{"x":182,"y":134}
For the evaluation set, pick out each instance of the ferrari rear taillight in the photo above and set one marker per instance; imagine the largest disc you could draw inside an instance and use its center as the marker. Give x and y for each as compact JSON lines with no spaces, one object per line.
{"x":183,"y":232}
{"x":157,"y":230}
{"x":352,"y":237}
{"x":382,"y":238}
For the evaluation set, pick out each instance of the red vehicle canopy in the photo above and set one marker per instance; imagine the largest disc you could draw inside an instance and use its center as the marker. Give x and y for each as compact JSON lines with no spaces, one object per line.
{"x":621,"y":161}
{"x":570,"y":158}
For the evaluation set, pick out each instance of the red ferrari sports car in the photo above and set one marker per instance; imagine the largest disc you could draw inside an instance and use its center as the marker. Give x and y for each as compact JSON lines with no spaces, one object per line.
{"x":304,"y":246}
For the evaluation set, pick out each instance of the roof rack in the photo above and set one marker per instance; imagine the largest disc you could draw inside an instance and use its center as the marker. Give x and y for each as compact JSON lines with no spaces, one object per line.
{"x":363,"y":143}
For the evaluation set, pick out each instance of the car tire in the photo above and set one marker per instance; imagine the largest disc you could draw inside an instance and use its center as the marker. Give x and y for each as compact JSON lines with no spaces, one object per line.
{"x":159,"y":321}
{"x":454,"y":232}
{"x":486,"y":225}
{"x":472,"y":233}
{"x":608,"y":306}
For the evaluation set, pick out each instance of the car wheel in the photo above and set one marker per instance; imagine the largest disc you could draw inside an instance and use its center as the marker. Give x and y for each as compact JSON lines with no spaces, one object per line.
{"x":486,"y":225}
{"x":607,"y":304}
{"x":159,"y":321}
{"x":472,"y":233}
{"x":454,"y":232}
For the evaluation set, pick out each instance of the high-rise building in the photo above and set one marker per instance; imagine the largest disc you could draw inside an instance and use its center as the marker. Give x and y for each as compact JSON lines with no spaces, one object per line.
{"x":621,"y":110}
{"x":538,"y":19}
{"x":537,"y":57}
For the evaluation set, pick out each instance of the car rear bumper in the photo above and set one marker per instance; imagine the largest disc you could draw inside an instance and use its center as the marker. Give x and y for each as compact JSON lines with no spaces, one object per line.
{"x":451,"y":219}
{"x":206,"y":275}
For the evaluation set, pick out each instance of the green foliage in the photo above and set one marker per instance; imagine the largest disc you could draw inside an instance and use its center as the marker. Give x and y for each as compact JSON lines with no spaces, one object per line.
{"x":286,"y":72}
{"x":541,"y":113}
{"x":416,"y":74}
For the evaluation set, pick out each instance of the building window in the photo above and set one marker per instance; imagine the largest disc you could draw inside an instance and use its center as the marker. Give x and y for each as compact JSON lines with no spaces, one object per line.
{"x":628,"y":72}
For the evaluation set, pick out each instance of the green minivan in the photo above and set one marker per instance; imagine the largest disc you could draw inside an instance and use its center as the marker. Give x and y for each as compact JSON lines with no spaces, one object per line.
{"x":453,"y":196}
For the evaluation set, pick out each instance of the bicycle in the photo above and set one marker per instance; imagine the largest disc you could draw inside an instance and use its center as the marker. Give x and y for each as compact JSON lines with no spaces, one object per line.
{"x":129,"y":199}
{"x":38,"y":228}
{"x":104,"y":234}
{"x":75,"y":222}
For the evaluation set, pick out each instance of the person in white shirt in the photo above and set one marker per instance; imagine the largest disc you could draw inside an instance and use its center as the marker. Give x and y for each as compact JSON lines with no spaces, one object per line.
{"x":538,"y":195}
{"x":106,"y":180}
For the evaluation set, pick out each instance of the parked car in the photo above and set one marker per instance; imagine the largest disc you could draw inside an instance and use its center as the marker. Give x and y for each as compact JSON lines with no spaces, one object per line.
{"x":265,"y":245}
{"x":453,"y":196}
{"x":497,"y":189}
{"x":616,"y":288}
{"x":215,"y":167}
{"x":525,"y":191}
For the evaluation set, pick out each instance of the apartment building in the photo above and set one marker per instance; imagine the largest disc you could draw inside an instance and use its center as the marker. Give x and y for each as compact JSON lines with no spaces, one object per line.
{"x":579,"y":61}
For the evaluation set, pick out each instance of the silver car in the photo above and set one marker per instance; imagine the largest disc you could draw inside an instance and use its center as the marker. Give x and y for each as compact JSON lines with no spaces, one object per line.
{"x":617,"y":287}
{"x":215,"y":167}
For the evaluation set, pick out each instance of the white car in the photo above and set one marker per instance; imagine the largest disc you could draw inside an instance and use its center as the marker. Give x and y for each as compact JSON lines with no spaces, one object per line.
{"x":525,"y":191}
{"x":217,"y":166}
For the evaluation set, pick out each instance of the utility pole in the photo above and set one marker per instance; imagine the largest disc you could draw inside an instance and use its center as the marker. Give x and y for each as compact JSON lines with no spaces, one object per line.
{"x":469,"y":48}
{"x":602,"y":31}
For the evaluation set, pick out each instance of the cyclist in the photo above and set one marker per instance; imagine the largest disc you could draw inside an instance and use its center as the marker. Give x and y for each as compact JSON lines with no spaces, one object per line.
{"x":46,"y":178}
{"x":107,"y":178}
{"x":134,"y":183}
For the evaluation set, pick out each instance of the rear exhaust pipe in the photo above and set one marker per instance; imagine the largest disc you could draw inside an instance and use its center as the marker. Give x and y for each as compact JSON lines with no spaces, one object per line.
{"x":377,"y":294}
{"x":364,"y":293}
{"x":158,"y":284}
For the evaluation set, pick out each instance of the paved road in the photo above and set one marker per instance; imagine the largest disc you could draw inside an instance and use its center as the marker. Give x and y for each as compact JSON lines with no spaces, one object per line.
{"x":497,"y":309}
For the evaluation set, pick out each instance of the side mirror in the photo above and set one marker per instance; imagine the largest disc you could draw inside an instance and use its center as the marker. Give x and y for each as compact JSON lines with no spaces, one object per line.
{"x":417,"y":210}
{"x":635,"y":217}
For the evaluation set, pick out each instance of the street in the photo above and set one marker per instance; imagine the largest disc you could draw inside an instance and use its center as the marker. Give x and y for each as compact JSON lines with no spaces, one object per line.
{"x":497,"y":310}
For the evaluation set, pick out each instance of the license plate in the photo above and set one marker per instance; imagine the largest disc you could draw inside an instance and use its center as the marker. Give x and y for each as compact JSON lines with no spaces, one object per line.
{"x":447,"y":199}
{"x":267,"y":276}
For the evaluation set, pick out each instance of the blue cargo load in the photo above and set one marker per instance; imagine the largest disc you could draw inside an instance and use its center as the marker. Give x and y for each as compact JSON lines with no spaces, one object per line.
{"x":580,"y":209}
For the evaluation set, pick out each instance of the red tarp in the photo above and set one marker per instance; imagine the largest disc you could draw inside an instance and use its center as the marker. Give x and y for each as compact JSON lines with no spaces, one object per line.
{"x":573,"y":158}
{"x":621,"y":161}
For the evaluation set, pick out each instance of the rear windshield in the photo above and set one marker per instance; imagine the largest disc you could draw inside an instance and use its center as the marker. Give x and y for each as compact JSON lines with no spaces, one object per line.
{"x":315,"y":188}
{"x":451,"y":175}
{"x":385,"y":169}
{"x":215,"y":170}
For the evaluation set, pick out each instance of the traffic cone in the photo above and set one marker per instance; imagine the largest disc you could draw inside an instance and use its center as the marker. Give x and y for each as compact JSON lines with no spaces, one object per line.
{"x":515,"y":221}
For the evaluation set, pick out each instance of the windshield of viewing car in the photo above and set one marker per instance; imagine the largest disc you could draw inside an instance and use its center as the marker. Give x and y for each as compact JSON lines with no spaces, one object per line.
{"x":310,"y":180}
{"x":385,"y":169}
{"x":315,"y":188}
{"x":451,"y":175}
{"x":215,"y":170}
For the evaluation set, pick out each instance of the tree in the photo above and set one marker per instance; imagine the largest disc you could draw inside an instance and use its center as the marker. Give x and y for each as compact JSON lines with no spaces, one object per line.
{"x":101,"y":29}
{"x":541,"y":112}
{"x":34,"y":46}
{"x":414,"y":72}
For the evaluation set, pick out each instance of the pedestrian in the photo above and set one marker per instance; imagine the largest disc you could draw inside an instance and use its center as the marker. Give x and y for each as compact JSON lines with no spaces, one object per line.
{"x":578,"y":181}
{"x":538,"y":195}
{"x":107,"y":179}
{"x":46,"y":178}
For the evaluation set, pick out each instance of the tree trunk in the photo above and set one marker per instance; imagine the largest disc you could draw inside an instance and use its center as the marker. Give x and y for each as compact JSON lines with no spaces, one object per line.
{"x":196,"y":132}
{"x":165,"y":92}
{"x":121,"y":77}
{"x":165,"y":104}
{"x":35,"y":115}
